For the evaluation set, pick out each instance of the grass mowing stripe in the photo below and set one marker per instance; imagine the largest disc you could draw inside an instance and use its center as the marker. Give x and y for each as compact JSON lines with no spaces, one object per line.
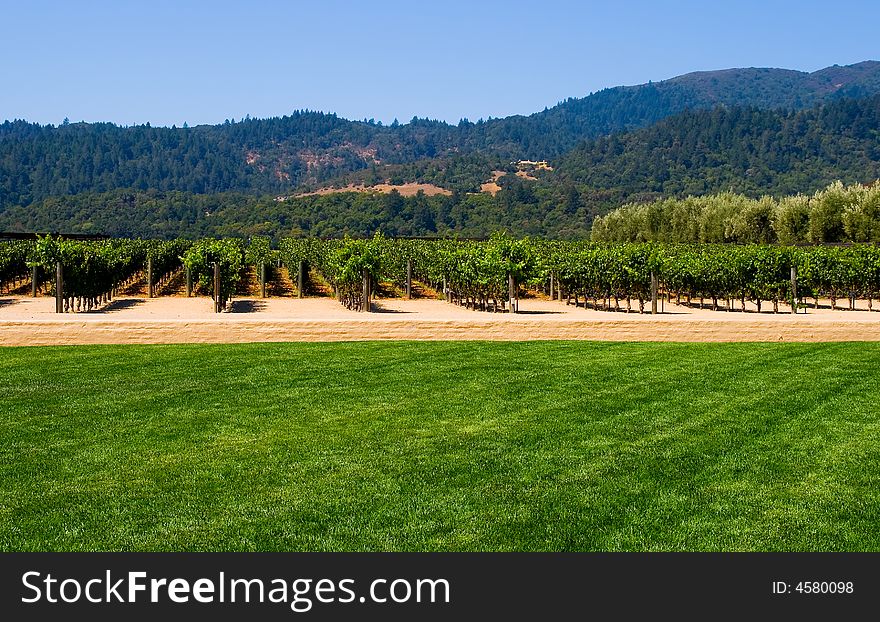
{"x":441,"y":446}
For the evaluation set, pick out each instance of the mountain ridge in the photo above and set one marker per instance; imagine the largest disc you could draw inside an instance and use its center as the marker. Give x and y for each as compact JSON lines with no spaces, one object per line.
{"x":282,"y":155}
{"x":744,"y":149}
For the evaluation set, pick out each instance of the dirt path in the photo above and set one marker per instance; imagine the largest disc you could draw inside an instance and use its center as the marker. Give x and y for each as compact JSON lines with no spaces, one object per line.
{"x":175,"y":319}
{"x":175,"y":286}
{"x":279,"y":283}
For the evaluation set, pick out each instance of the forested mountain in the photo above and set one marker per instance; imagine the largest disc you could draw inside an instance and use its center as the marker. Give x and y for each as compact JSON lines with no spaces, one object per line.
{"x":281,"y":154}
{"x":552,"y":132}
{"x":267,"y":155}
{"x":746,"y":150}
{"x":742,"y":149}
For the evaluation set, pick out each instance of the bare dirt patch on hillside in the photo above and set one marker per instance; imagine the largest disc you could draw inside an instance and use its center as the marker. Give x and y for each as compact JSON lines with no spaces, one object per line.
{"x":492,"y":186}
{"x":406,"y":190}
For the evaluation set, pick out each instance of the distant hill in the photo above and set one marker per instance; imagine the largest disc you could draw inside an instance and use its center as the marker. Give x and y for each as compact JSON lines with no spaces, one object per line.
{"x":552,"y":132}
{"x":305,"y":149}
{"x":747,"y":150}
{"x":744,"y":149}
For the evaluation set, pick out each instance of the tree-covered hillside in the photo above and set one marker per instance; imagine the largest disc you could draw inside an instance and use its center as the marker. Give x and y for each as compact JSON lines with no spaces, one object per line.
{"x":278,"y":155}
{"x":555,"y":131}
{"x":173,"y":214}
{"x":744,"y":149}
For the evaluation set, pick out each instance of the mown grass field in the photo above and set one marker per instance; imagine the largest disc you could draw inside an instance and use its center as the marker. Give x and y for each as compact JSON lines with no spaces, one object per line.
{"x":441,"y":446}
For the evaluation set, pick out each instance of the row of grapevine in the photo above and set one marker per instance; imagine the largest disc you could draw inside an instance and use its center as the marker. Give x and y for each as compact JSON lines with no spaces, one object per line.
{"x":91,"y":270}
{"x":600,"y":273}
{"x":773,"y":274}
{"x":352,"y":267}
{"x":757,"y":273}
{"x":478,"y":275}
{"x":14,"y":257}
{"x":840,"y":272}
{"x":216,"y":265}
{"x":485,"y":275}
{"x":475,"y":274}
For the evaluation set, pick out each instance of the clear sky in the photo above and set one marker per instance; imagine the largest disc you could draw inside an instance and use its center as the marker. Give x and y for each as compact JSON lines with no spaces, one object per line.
{"x":203,"y":62}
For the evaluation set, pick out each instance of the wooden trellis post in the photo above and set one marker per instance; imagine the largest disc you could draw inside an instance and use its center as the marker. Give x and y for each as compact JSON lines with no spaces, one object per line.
{"x":59,"y":288}
{"x":217,"y":307}
{"x":794,"y":296}
{"x":512,"y":295}
{"x":653,"y":294}
{"x":189,"y":283}
{"x":263,"y":279}
{"x":149,"y":277}
{"x":365,"y":301}
{"x":300,"y":279}
{"x":409,"y":271}
{"x":34,"y":276}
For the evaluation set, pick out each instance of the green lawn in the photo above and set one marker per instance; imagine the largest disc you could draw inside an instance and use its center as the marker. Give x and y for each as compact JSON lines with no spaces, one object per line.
{"x":441,"y":446}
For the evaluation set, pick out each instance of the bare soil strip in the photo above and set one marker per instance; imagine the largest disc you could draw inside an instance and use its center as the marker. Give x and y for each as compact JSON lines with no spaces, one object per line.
{"x":174,"y":319}
{"x":409,"y":189}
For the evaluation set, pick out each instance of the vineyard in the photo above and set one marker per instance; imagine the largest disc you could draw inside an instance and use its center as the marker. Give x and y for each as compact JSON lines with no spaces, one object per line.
{"x":488,"y":275}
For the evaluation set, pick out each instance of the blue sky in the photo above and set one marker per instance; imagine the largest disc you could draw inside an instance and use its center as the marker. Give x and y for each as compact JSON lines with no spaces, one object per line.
{"x":203,"y":62}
